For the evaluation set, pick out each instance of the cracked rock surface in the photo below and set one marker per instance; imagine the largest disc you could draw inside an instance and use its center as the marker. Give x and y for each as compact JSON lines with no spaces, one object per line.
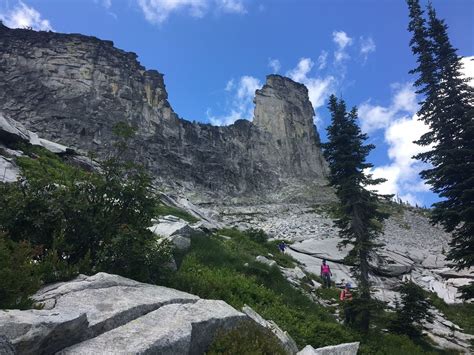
{"x":111,"y":312}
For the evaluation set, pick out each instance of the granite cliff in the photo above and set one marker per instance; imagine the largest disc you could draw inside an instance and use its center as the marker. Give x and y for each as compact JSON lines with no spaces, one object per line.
{"x":73,"y":89}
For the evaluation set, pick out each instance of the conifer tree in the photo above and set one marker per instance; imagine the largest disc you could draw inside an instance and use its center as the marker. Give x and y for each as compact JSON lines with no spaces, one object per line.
{"x":360,"y":221}
{"x":412,"y":310}
{"x":448,"y":110}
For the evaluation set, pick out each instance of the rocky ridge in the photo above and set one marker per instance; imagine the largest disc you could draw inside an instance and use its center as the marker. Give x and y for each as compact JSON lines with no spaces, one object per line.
{"x":73,"y":89}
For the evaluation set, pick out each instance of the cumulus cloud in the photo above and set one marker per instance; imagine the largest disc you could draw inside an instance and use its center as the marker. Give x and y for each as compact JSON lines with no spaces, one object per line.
{"x":401,"y":128}
{"x":374,"y":117}
{"x":274,"y":64}
{"x":367,"y":46}
{"x":157,"y":11}
{"x":242,"y":93}
{"x":342,"y":41}
{"x":24,"y":16}
{"x":319,"y":88}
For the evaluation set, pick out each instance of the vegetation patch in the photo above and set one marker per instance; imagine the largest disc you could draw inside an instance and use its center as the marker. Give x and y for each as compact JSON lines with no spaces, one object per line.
{"x":164,"y":210}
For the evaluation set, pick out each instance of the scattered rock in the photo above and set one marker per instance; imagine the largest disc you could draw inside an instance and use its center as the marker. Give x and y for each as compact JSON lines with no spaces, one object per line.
{"x":264,"y":260}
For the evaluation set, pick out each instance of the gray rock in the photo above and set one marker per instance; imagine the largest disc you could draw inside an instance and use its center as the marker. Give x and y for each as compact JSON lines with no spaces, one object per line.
{"x":6,"y":348}
{"x":434,"y":262}
{"x":285,"y":339}
{"x":72,"y":89}
{"x":9,"y":172}
{"x":172,"y":329}
{"x":341,"y":349}
{"x":170,"y":226}
{"x":264,"y":260}
{"x":82,"y":309}
{"x":181,"y":242}
{"x":40,"y":331}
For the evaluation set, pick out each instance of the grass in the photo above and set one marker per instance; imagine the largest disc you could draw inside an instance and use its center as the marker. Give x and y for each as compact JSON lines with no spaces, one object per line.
{"x":226,"y":269}
{"x":460,"y":314}
{"x":163,"y":210}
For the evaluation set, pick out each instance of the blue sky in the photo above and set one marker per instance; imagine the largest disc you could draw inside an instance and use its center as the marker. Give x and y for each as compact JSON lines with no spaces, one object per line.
{"x":215,"y":53}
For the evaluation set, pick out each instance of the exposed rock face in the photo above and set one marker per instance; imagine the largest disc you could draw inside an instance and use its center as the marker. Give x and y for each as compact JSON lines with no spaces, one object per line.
{"x":341,"y":349}
{"x":73,"y":89}
{"x":114,"y":314}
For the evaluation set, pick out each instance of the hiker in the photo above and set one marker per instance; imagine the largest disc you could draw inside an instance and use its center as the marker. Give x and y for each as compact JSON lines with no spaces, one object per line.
{"x":346,"y":298}
{"x":282,"y":246}
{"x":326,"y":274}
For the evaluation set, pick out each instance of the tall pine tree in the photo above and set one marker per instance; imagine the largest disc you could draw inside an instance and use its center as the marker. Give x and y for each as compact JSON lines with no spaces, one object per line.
{"x":448,"y":109}
{"x":360,"y":221}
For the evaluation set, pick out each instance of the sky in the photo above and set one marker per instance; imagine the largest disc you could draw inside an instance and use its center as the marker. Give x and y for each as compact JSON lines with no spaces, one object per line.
{"x":216,"y":53}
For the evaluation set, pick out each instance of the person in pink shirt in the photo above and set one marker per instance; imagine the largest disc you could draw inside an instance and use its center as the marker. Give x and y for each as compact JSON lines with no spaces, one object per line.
{"x":326,"y":274}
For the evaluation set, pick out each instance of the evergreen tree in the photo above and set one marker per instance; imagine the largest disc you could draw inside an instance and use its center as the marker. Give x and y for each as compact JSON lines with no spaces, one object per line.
{"x":360,"y":220}
{"x":411,"y":310}
{"x":448,"y":109}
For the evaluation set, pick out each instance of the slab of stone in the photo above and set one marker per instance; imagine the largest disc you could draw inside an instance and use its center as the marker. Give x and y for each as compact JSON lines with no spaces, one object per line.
{"x":82,"y":309}
{"x":284,"y":338}
{"x":341,"y":349}
{"x":166,"y":227}
{"x":266,"y":261}
{"x":323,"y":249}
{"x":170,"y":330}
{"x":436,"y":261}
{"x":42,"y":331}
{"x":8,"y":171}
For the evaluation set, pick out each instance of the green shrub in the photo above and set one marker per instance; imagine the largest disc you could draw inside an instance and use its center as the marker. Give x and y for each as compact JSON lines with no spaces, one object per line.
{"x":163,"y":210}
{"x":82,"y":221}
{"x":247,"y":338}
{"x":19,"y":275}
{"x":390,"y":344}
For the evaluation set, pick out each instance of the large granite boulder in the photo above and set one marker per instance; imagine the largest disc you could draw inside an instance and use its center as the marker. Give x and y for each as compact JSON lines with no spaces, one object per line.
{"x":171,"y":329}
{"x":91,"y":314}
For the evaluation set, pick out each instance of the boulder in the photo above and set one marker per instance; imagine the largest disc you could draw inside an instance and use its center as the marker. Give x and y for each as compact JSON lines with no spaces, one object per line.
{"x":9,"y":172}
{"x":264,"y":260}
{"x":6,"y":348}
{"x":285,"y":339}
{"x":171,"y":225}
{"x":171,"y":329}
{"x":12,"y":131}
{"x":82,"y":309}
{"x":42,"y":331}
{"x":341,"y":349}
{"x":390,"y":263}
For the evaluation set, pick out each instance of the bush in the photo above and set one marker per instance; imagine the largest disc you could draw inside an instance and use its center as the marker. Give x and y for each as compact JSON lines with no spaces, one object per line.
{"x":82,"y":221}
{"x":247,"y":338}
{"x":18,"y":274}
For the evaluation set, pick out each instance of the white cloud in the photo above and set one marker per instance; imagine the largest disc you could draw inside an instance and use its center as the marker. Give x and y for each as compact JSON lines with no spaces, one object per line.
{"x":24,"y":16}
{"x":231,"y":6}
{"x":401,"y":128}
{"x":157,"y":11}
{"x":342,"y":40}
{"x":242,"y":106}
{"x":367,"y":46}
{"x":377,"y":117}
{"x":319,"y":88}
{"x":468,"y":68}
{"x":322,"y":59}
{"x":274,"y":64}
{"x":230,"y":85}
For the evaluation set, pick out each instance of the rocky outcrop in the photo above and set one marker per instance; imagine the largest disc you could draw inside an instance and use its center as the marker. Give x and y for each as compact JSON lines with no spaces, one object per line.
{"x":341,"y":349}
{"x":73,"y":89}
{"x":109,"y":312}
